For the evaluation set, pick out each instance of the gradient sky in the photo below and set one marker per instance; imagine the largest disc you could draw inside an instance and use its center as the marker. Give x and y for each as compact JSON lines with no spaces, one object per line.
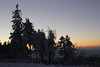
{"x":80,"y":19}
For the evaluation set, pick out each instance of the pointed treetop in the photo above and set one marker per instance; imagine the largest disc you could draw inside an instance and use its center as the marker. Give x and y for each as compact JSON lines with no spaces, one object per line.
{"x":61,"y":38}
{"x":67,"y":37}
{"x":17,"y":6}
{"x":27,"y":19}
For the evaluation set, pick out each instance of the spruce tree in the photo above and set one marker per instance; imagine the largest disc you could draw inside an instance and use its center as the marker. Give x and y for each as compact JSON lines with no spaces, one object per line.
{"x":29,"y":34}
{"x":69,"y":49}
{"x":42,"y":43}
{"x":51,"y":37}
{"x":17,"y":45}
{"x":51,"y":43}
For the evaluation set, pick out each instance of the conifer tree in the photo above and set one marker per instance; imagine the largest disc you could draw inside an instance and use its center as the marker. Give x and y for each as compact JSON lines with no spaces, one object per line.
{"x":70,"y":50}
{"x":51,"y":43}
{"x":29,"y":34}
{"x":51,"y":37}
{"x":42,"y":43}
{"x":62,"y":41}
{"x":17,"y":46}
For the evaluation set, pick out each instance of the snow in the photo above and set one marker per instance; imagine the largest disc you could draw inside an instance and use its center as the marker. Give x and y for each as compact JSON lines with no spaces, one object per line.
{"x":30,"y":65}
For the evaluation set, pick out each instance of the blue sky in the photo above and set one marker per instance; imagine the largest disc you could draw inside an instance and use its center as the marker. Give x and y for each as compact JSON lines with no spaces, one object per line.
{"x":80,"y":19}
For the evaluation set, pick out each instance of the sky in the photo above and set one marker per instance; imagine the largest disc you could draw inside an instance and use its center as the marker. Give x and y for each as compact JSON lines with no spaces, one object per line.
{"x":80,"y":19}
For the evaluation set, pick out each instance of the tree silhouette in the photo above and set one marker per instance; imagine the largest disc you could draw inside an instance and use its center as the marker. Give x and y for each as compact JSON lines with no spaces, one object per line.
{"x":51,"y":43}
{"x":17,"y":46}
{"x":29,"y":34}
{"x":42,"y":43}
{"x":69,"y":49}
{"x":62,"y":41}
{"x":51,"y":37}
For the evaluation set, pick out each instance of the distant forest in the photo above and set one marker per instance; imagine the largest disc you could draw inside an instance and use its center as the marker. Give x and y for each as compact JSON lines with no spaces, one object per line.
{"x":28,"y":45}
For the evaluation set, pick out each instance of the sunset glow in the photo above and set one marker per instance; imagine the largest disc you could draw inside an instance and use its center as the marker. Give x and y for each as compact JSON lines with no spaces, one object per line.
{"x":78,"y":19}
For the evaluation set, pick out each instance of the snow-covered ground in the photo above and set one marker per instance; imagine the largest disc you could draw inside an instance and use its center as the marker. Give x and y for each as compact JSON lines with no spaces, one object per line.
{"x":30,"y":65}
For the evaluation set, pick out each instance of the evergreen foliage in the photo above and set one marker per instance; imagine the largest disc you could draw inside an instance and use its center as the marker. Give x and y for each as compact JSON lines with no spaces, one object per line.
{"x":51,"y":43}
{"x":51,"y":37}
{"x":69,"y":49}
{"x":29,"y":34}
{"x":42,"y":44}
{"x":17,"y":42}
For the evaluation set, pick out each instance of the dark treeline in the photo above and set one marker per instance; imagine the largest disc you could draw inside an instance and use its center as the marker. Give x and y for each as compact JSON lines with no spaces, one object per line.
{"x":44,"y":49}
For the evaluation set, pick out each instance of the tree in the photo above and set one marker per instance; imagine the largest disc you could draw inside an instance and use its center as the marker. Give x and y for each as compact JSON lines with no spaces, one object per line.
{"x":29,"y":34}
{"x":51,"y":43}
{"x":51,"y":37}
{"x":62,"y":42}
{"x":17,"y":43}
{"x":42,"y":43}
{"x":69,"y":50}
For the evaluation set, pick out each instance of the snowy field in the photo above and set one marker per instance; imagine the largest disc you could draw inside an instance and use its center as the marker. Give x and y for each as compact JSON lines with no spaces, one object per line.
{"x":30,"y":65}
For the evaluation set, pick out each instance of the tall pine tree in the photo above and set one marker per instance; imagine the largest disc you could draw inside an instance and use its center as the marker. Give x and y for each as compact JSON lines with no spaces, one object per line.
{"x":51,"y":43}
{"x":29,"y":34}
{"x":42,"y":43}
{"x":17,"y":44}
{"x":51,"y":37}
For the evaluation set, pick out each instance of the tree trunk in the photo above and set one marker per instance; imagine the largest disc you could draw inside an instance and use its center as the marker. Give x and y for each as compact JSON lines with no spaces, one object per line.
{"x":65,"y":57}
{"x":30,"y":52}
{"x":36,"y":54}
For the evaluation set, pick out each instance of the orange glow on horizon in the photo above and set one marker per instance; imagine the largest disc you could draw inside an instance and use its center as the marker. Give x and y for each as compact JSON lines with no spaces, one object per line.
{"x":88,"y":45}
{"x":78,"y":43}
